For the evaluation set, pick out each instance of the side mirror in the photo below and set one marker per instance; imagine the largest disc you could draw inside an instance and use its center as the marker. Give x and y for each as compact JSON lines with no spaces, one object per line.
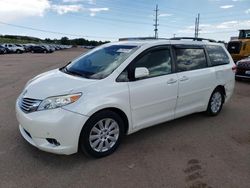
{"x":141,"y":72}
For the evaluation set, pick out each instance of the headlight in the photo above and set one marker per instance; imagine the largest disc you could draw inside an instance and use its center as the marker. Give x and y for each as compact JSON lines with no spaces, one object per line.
{"x":58,"y":101}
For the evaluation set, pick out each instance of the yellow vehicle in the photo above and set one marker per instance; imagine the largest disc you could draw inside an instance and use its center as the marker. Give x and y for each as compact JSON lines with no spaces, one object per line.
{"x":240,"y":48}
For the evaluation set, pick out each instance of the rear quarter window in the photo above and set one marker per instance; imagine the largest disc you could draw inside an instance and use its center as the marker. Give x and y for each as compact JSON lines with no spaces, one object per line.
{"x":217,"y":55}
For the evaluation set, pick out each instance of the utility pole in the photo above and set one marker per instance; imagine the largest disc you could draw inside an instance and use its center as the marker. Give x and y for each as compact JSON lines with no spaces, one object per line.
{"x":156,"y":21}
{"x":198,"y":25}
{"x":196,"y":28}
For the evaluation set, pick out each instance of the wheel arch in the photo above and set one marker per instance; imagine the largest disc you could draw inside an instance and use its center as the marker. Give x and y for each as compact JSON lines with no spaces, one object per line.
{"x":118,"y":111}
{"x":221,"y":88}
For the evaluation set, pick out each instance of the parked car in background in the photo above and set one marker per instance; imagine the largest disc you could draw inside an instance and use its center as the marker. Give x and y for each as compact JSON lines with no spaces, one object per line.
{"x":26,"y":47}
{"x":120,"y":88}
{"x":3,"y":50}
{"x":12,"y":48}
{"x":48,"y":48}
{"x":243,"y":69}
{"x":38,"y":49}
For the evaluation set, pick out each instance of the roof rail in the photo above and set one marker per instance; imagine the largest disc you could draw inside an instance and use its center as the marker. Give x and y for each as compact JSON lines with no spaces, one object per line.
{"x":193,"y":38}
{"x":140,"y":38}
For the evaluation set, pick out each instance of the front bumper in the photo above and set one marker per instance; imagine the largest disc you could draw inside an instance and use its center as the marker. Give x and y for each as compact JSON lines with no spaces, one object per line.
{"x":59,"y":124}
{"x":241,"y":73}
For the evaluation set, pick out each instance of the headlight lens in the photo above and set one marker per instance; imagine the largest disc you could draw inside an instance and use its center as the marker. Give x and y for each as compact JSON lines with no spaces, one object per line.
{"x":58,"y":101}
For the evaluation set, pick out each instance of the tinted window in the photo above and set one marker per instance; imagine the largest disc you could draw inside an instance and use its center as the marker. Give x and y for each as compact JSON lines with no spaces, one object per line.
{"x":217,"y":55}
{"x":190,"y":59}
{"x":158,"y":62}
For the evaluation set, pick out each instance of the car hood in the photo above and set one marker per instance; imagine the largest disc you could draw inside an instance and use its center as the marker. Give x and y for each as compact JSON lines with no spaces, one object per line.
{"x":55,"y":83}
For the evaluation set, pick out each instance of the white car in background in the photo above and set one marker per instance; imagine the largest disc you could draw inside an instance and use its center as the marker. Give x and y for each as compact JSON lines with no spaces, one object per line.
{"x":120,"y":88}
{"x":14,"y":48}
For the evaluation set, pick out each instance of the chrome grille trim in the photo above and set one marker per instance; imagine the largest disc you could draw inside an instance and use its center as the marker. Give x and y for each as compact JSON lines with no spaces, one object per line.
{"x":29,"y":105}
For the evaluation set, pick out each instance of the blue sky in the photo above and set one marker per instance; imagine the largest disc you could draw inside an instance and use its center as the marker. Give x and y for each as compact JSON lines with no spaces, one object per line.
{"x":112,"y":19}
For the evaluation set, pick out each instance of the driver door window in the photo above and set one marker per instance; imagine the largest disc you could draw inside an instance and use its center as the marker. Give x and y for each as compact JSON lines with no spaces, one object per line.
{"x":158,"y":62}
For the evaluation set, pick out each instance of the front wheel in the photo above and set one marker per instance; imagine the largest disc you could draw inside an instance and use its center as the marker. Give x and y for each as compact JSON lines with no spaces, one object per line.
{"x":215,"y":103}
{"x":102,"y":134}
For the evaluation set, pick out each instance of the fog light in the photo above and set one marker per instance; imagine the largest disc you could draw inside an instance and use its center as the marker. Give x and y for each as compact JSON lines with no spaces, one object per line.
{"x":53,"y":141}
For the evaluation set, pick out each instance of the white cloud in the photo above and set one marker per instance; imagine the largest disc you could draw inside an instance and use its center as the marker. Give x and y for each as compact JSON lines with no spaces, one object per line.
{"x":226,"y":6}
{"x":16,"y":9}
{"x":165,"y":15}
{"x":11,"y":10}
{"x":63,"y":9}
{"x":226,"y":25}
{"x":93,"y":11}
{"x":72,"y":1}
{"x":78,"y":1}
{"x":220,"y":27}
{"x":247,"y":11}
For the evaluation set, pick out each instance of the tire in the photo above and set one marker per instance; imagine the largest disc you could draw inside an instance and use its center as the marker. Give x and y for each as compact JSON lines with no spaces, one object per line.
{"x":101,"y":127}
{"x":18,"y":51}
{"x":216,"y":102}
{"x":44,"y":51}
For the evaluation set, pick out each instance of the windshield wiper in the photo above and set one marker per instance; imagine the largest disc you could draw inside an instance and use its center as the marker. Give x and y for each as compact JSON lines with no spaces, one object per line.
{"x":66,"y":70}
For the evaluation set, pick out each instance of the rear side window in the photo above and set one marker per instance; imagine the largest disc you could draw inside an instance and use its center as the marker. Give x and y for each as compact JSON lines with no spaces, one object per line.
{"x":217,"y":55}
{"x":190,"y":59}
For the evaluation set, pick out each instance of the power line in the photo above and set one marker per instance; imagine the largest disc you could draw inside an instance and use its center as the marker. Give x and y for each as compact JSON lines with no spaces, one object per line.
{"x":53,"y":32}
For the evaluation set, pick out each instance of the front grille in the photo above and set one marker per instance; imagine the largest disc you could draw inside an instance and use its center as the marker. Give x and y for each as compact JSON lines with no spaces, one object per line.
{"x":234,"y":47}
{"x":29,"y":105}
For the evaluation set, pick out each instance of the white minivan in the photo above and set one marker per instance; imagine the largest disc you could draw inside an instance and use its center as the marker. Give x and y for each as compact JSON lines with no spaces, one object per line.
{"x":120,"y":88}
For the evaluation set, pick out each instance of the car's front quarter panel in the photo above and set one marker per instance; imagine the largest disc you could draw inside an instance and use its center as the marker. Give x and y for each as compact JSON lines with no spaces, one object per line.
{"x":110,"y":94}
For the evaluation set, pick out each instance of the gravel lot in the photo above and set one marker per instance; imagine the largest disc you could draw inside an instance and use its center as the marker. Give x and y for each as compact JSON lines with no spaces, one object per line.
{"x":192,"y":152}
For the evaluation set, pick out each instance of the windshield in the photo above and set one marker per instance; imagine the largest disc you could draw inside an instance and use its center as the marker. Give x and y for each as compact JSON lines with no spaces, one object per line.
{"x":244,"y":34}
{"x":100,"y":63}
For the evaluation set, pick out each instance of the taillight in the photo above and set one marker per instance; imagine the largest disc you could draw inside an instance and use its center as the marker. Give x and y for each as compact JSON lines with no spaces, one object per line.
{"x":234,"y":68}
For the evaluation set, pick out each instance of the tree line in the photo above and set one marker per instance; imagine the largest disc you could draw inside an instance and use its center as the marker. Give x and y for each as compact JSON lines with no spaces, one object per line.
{"x":63,"y":40}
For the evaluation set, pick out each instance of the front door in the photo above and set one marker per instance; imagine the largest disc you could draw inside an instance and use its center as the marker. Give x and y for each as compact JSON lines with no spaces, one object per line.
{"x":153,"y":98}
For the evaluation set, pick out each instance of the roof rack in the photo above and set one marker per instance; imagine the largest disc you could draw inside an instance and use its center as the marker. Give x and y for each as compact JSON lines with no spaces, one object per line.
{"x":193,"y":38}
{"x":140,"y":38}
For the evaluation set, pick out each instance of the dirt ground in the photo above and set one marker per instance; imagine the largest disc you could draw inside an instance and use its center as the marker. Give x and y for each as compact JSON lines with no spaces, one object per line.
{"x":192,"y":152}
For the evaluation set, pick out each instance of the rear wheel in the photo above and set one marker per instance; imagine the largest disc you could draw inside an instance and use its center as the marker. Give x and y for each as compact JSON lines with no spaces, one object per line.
{"x":102,"y":134}
{"x":215,"y":103}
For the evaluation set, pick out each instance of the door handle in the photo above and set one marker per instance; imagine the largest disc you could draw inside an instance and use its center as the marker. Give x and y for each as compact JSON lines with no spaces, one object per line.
{"x":171,"y":81}
{"x":183,"y":78}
